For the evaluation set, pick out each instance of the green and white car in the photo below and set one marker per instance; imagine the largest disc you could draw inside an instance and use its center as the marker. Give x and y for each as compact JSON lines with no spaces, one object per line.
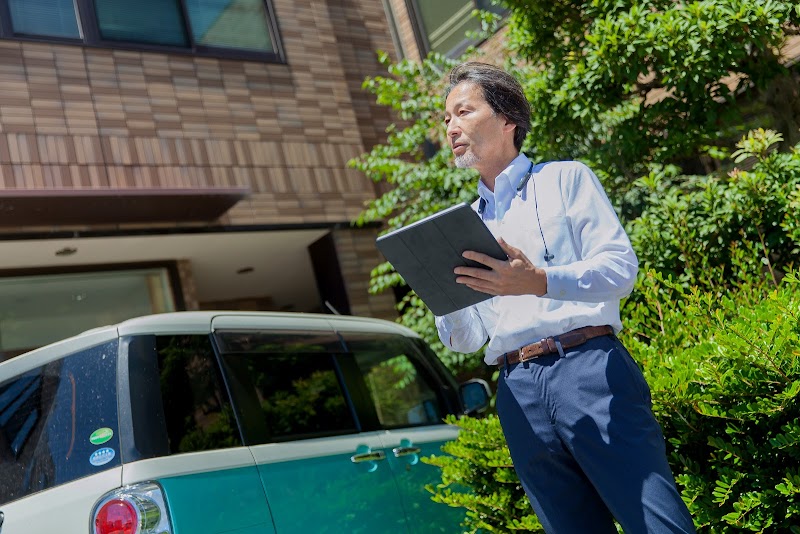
{"x":227,"y":422}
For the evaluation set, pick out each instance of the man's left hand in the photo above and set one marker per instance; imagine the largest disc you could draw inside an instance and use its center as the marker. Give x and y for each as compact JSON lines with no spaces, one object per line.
{"x":514,"y":276}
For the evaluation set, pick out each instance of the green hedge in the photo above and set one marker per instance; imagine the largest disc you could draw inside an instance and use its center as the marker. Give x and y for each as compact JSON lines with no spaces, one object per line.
{"x":725,"y":378}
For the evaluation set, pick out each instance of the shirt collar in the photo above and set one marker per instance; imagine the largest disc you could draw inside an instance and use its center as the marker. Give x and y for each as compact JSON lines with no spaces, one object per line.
{"x":507,"y":180}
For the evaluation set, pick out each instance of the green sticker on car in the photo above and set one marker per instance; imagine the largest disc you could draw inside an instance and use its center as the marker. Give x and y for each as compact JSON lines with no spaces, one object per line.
{"x":101,"y":435}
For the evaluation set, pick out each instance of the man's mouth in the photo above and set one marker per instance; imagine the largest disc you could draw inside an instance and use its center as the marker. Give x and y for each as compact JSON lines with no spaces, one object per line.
{"x":459,"y":149}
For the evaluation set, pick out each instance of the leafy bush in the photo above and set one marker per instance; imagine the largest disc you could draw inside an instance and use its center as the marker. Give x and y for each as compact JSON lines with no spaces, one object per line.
{"x":725,"y":379}
{"x":692,"y":224}
{"x":725,"y":376}
{"x":478,"y":476}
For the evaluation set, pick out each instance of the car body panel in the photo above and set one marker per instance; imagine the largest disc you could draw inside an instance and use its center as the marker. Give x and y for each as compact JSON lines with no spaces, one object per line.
{"x":412,"y":475}
{"x":208,"y":492}
{"x":62,"y":508}
{"x":314,"y":486}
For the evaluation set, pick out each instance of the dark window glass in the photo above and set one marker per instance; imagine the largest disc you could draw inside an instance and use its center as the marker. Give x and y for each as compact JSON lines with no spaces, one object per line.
{"x":400,"y":388}
{"x":143,"y":21}
{"x":198,"y":413}
{"x":55,"y":18}
{"x":58,"y":423}
{"x":278,"y":341}
{"x":240,"y":24}
{"x":444,"y":24}
{"x":295,"y":395}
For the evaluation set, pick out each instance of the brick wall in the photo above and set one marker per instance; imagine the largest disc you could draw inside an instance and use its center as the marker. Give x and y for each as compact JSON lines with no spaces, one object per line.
{"x":357,"y":257}
{"x":80,"y":117}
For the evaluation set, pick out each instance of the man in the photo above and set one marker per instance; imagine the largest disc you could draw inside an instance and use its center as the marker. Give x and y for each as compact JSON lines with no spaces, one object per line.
{"x":574,"y":406}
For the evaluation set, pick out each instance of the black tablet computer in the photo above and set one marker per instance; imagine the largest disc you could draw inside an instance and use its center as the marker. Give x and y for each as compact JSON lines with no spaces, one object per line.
{"x":426,"y":252}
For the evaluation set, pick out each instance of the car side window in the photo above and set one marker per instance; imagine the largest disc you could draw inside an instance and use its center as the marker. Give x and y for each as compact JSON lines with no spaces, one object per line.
{"x":400,"y":388}
{"x":59,"y":422}
{"x":197,"y":410}
{"x":287,"y":385}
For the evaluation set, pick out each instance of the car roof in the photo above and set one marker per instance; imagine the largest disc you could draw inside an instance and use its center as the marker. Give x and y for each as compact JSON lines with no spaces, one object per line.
{"x":198,"y":322}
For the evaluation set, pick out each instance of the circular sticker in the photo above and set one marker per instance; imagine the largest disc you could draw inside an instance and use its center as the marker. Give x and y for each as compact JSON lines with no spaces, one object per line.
{"x":101,"y":435}
{"x":102,"y":456}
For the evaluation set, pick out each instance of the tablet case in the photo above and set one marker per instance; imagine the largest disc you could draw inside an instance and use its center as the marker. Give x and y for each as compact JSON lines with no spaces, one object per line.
{"x":426,"y":252}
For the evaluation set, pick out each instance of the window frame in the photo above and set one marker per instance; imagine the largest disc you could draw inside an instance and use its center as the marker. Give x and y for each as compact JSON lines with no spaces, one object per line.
{"x":421,"y":32}
{"x":88,"y":25}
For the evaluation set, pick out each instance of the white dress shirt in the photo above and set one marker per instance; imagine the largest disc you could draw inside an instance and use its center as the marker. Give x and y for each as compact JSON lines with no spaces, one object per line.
{"x":593,"y":266}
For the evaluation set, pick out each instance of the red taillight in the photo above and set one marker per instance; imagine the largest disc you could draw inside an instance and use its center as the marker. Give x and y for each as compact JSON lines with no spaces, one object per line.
{"x":139,"y":508}
{"x":116,"y":517}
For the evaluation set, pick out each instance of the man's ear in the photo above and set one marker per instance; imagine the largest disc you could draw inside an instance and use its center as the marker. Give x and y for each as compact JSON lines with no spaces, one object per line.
{"x":508,"y":126}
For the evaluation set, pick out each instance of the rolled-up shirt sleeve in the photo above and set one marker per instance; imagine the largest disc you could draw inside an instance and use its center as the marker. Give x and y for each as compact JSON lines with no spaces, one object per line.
{"x":608,"y":265}
{"x":462,"y":330}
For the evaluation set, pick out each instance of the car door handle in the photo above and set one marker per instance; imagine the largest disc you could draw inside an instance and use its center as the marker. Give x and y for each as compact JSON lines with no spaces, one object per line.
{"x":399,"y":452}
{"x":372,"y":456}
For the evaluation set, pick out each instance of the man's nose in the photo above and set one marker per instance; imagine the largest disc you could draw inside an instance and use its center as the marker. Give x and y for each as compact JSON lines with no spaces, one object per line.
{"x":452,"y":129}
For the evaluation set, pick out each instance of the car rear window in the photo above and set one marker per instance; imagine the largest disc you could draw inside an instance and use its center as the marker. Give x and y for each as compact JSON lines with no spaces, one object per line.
{"x":58,"y":423}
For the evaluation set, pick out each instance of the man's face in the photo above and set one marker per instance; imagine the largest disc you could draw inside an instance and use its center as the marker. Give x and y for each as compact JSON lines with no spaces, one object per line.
{"x":474,"y":131}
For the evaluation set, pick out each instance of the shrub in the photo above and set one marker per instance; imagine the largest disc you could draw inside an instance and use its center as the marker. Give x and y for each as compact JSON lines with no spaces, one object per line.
{"x":478,"y":476}
{"x":725,"y":379}
{"x":691,"y":225}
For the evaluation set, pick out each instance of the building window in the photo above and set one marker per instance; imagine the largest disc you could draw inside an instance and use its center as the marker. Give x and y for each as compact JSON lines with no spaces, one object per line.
{"x":51,"y":18}
{"x":442,"y":26}
{"x":41,"y":309}
{"x":145,"y":21}
{"x":237,"y":24}
{"x":227,"y":28}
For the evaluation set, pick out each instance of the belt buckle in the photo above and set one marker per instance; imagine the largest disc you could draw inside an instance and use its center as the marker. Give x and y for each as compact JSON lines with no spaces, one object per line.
{"x":525,"y":354}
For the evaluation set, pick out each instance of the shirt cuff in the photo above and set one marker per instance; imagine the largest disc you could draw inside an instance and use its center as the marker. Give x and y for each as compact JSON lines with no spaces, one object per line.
{"x":562,"y":282}
{"x":454,"y":320}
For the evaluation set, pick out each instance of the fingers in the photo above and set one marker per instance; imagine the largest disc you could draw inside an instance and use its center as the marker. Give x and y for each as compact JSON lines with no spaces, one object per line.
{"x":483,"y":259}
{"x":478,"y":285}
{"x":475,"y":273}
{"x":487,"y":291}
{"x":508,"y":249}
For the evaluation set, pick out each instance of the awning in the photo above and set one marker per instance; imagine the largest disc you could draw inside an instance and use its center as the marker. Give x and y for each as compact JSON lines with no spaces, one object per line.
{"x":38,"y":207}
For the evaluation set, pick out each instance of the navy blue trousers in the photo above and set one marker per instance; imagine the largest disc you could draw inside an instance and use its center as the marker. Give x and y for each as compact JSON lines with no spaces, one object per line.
{"x":585,"y":443}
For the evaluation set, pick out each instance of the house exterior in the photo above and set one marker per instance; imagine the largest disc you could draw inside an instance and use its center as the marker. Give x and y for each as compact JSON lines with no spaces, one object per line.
{"x":165,"y":155}
{"x":169,"y":155}
{"x":183,"y":155}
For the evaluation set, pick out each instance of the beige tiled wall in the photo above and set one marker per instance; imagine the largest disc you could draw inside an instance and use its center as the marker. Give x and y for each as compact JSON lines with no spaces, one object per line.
{"x":357,"y":257}
{"x":81,"y":117}
{"x":78,"y":117}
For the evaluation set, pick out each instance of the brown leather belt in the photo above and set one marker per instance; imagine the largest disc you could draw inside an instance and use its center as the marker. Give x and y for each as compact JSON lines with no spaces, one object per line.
{"x":546,"y":346}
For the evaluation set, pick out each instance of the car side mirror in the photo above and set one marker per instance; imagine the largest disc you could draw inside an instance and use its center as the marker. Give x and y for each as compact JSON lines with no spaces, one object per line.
{"x":475,"y":396}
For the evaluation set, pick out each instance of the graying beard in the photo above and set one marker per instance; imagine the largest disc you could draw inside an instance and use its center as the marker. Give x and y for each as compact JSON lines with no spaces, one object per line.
{"x":467,"y":160}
